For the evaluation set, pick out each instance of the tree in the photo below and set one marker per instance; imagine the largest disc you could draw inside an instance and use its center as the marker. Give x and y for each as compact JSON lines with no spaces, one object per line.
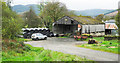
{"x":106,"y":18}
{"x":31,"y":19}
{"x":11,"y":22}
{"x":55,"y":10}
{"x":52,"y":11}
{"x":117,"y":18}
{"x":100,"y":17}
{"x":0,"y":21}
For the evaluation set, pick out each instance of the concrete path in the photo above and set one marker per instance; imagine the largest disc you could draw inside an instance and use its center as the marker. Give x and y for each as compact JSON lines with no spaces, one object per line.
{"x":67,"y":45}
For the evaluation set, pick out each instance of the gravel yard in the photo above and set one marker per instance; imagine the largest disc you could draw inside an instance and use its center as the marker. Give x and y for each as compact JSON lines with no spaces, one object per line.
{"x":67,"y":45}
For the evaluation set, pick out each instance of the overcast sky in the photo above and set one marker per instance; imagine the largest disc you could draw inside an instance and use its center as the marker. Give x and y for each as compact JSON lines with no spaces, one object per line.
{"x":77,"y":4}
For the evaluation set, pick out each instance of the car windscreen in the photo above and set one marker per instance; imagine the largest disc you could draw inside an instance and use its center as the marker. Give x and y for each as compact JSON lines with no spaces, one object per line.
{"x":39,"y":34}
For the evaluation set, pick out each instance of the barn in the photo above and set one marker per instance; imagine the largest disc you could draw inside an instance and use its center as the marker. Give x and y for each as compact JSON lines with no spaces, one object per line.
{"x":65,"y":25}
{"x":68,"y":24}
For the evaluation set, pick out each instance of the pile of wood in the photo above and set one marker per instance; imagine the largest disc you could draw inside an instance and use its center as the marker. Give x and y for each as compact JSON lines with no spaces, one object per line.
{"x":92,"y":41}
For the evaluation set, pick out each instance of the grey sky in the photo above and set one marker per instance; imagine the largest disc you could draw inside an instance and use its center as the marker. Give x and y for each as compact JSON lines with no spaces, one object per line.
{"x":77,"y":4}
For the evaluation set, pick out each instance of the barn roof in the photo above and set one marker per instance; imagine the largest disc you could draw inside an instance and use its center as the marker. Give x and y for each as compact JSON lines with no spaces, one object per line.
{"x":110,"y":21}
{"x":110,"y":24}
{"x":66,"y":20}
{"x":87,"y":20}
{"x":78,"y":20}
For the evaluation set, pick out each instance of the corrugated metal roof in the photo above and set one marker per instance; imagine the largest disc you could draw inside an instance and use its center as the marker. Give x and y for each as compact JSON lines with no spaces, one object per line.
{"x":111,"y":26}
{"x":110,"y":21}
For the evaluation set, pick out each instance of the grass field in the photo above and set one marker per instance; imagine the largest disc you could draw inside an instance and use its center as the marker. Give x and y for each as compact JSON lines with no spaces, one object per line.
{"x":39,"y":54}
{"x":107,"y":46}
{"x":0,"y":56}
{"x":23,"y":40}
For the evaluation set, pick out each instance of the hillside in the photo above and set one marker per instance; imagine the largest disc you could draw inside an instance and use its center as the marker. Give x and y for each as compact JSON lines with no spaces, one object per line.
{"x":23,"y":8}
{"x":90,"y":12}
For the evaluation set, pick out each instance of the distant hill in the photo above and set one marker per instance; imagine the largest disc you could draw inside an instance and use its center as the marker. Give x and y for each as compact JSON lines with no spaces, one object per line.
{"x":90,"y":12}
{"x":112,"y":13}
{"x":23,"y":8}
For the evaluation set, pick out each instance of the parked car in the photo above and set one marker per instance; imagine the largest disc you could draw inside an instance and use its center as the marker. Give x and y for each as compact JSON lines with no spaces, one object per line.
{"x":37,"y":36}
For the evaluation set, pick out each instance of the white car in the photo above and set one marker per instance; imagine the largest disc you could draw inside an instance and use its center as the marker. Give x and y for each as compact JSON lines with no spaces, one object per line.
{"x":37,"y":36}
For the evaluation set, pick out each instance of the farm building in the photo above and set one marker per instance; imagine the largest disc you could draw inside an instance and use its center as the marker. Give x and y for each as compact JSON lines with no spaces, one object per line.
{"x":65,"y":25}
{"x":110,"y":27}
{"x":82,"y":24}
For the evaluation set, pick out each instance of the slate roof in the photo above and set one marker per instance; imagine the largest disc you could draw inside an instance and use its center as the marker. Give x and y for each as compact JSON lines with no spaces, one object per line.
{"x":87,"y":20}
{"x":80,"y":20}
{"x":66,"y":20}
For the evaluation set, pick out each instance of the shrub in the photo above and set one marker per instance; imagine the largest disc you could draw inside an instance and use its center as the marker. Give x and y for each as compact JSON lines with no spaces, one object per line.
{"x":11,"y":22}
{"x":22,"y":43}
{"x":12,"y":44}
{"x":26,"y":48}
{"x":19,"y":50}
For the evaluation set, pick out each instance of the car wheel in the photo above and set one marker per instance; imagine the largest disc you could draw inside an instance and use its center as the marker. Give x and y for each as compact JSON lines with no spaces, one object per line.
{"x":45,"y":38}
{"x":37,"y":39}
{"x":32,"y":39}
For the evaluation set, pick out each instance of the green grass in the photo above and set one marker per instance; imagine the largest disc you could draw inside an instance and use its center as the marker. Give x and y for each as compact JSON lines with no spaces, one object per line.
{"x":0,"y":56}
{"x":39,"y":54}
{"x":104,"y":46}
{"x":23,"y":40}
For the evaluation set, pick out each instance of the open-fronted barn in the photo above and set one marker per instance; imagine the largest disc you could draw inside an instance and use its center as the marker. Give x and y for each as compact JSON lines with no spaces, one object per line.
{"x":82,"y":24}
{"x":65,"y":25}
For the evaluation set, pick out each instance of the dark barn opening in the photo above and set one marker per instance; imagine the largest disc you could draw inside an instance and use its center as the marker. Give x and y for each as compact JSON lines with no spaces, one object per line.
{"x":107,"y":31}
{"x":65,"y":25}
{"x":63,"y":29}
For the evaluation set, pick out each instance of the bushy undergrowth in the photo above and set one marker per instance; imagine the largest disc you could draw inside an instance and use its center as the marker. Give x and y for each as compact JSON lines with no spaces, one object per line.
{"x":39,"y":54}
{"x":16,"y":50}
{"x":14,"y":45}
